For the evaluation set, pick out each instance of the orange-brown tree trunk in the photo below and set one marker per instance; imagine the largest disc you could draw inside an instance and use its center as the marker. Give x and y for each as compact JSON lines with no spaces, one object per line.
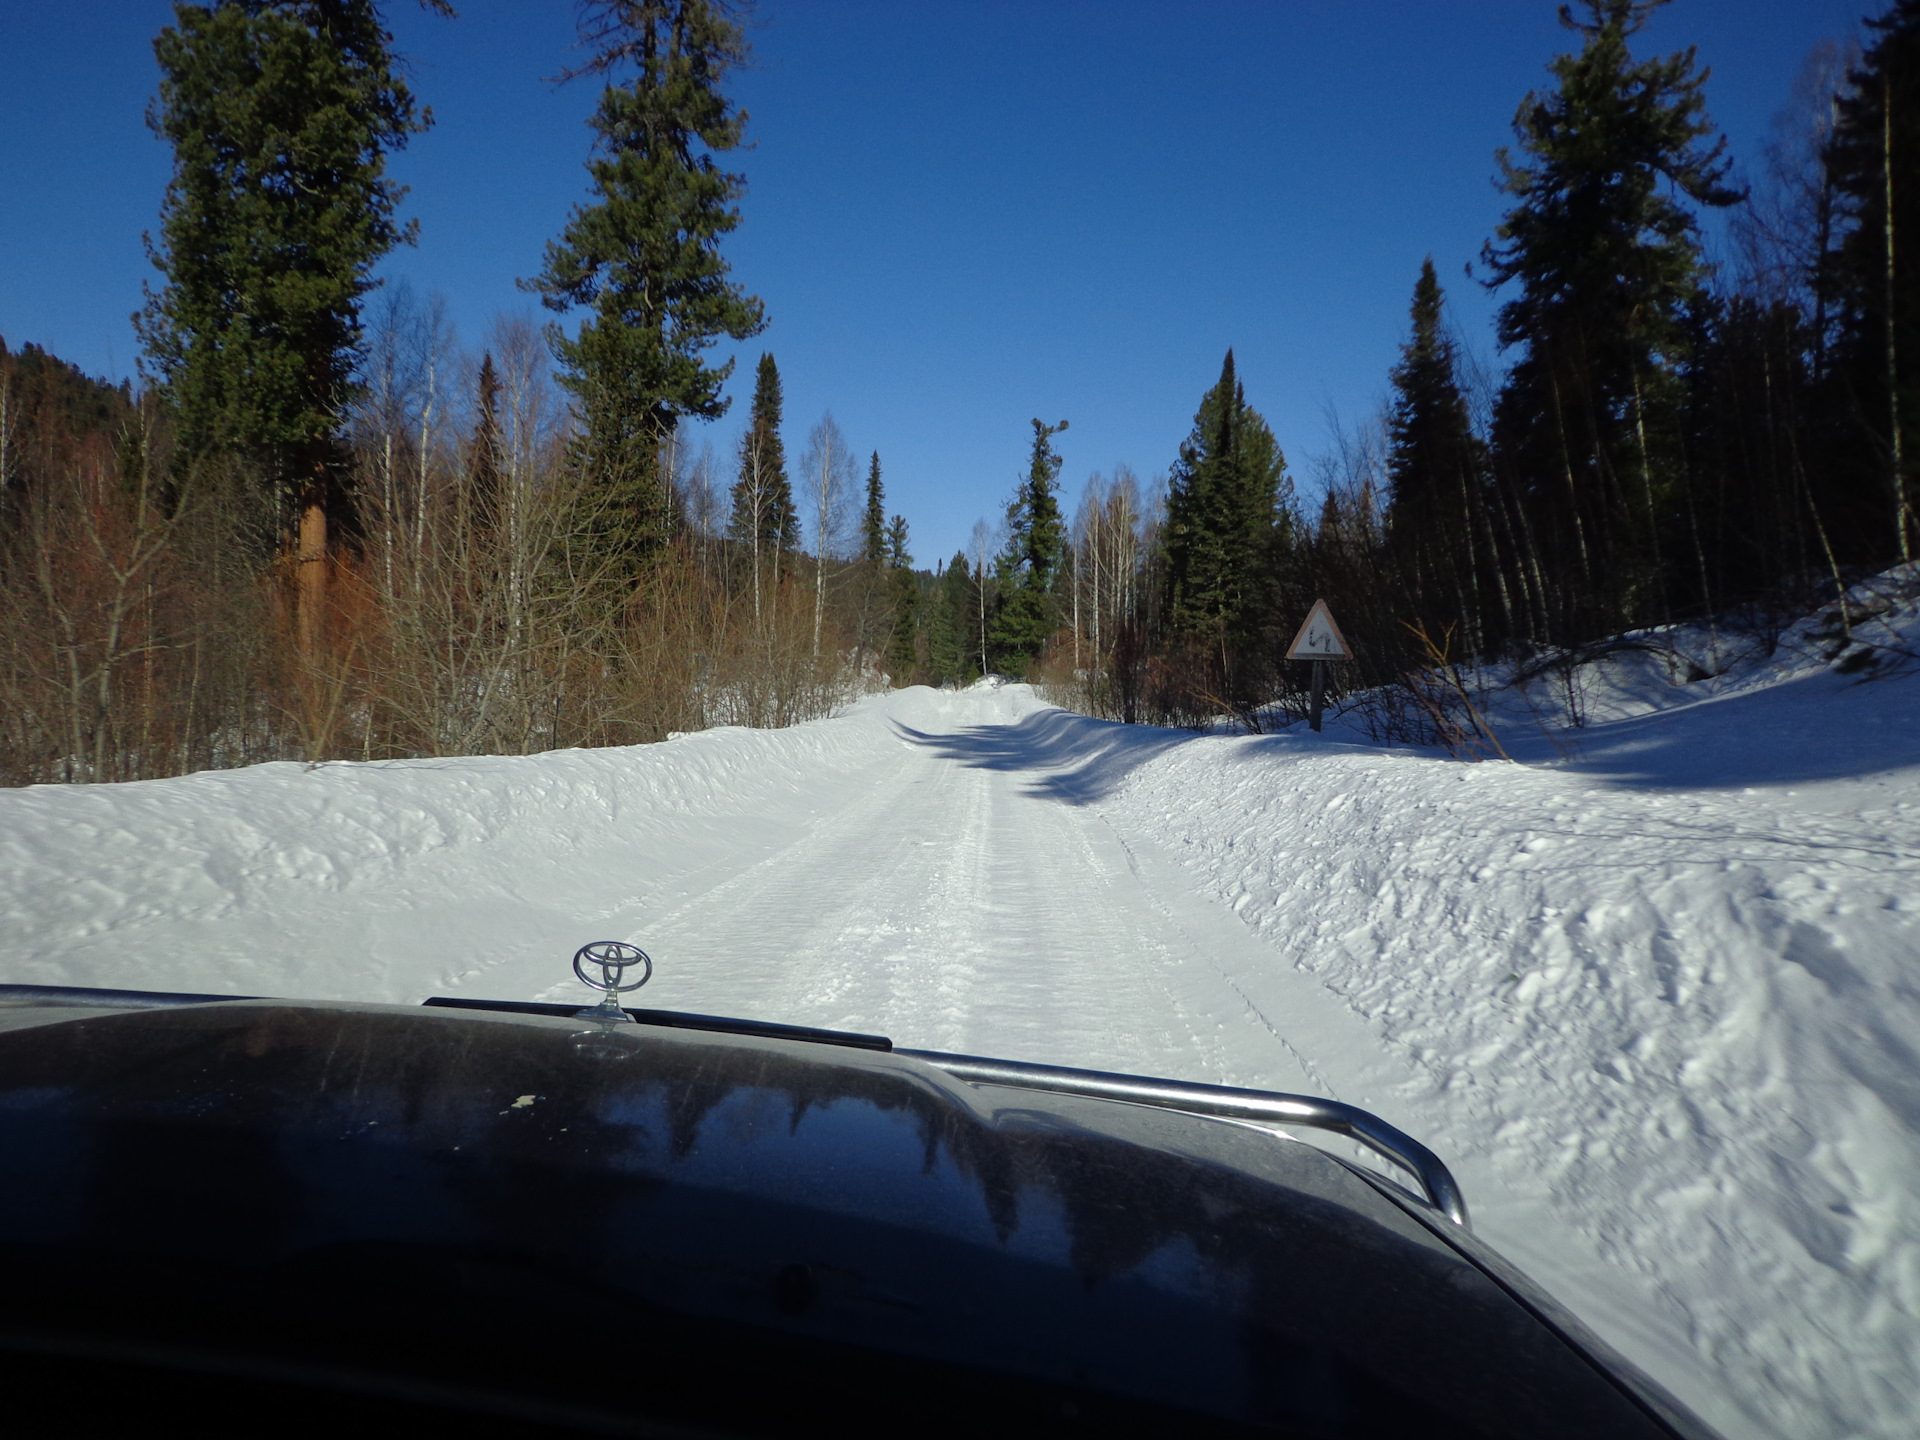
{"x":310,"y":574}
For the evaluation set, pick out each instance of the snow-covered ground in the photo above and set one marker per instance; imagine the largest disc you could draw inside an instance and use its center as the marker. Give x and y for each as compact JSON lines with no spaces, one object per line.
{"x":1656,"y":998}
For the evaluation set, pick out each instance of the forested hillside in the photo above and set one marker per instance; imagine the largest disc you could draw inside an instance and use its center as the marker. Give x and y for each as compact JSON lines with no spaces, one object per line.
{"x":1670,"y":439}
{"x":325,"y":527}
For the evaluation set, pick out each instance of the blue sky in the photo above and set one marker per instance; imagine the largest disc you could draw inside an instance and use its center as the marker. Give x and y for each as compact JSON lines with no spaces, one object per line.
{"x":962,"y":214}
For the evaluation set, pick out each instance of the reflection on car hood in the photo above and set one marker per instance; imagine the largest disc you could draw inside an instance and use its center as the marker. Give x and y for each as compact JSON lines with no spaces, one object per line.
{"x":636,"y":1221}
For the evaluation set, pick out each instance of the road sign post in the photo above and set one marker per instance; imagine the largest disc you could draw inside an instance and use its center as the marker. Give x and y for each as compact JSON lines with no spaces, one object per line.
{"x":1318,"y":640}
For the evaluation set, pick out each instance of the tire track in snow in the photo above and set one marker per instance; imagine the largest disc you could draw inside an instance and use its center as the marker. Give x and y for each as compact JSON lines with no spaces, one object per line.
{"x":958,"y":905}
{"x":1321,"y":1085}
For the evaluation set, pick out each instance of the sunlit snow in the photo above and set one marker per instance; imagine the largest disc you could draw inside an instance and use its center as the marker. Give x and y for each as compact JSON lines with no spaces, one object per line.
{"x":1654,"y":994}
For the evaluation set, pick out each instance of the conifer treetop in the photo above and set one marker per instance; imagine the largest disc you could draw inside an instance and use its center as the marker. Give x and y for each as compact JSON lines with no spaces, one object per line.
{"x":763,"y":494}
{"x":643,"y":256}
{"x":280,"y":116}
{"x":874,"y":550}
{"x":1593,"y":222}
{"x":1428,"y":428}
{"x":1223,"y":502}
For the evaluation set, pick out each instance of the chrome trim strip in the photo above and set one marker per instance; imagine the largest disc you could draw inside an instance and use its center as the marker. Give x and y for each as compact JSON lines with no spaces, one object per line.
{"x":21,"y":996}
{"x":1268,"y":1106}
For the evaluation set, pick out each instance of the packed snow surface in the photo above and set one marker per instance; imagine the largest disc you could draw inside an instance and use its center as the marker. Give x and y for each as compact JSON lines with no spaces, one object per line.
{"x":1654,"y":994}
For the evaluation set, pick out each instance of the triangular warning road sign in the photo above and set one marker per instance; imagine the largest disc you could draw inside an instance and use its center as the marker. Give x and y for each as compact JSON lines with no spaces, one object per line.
{"x":1319,"y":637}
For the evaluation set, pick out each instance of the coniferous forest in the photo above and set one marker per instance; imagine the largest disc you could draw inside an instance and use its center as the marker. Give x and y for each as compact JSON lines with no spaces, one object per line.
{"x":323,"y":529}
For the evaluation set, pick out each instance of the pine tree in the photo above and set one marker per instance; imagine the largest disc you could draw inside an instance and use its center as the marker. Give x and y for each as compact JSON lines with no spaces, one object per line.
{"x":1224,"y":514}
{"x":874,"y":548}
{"x":763,"y":494}
{"x":1604,"y":251}
{"x":1030,"y":611}
{"x":950,"y":650}
{"x":764,"y":524}
{"x":1871,"y":281}
{"x":871,"y":591}
{"x":1438,"y":468}
{"x":902,"y":645}
{"x":644,"y":256}
{"x":281,"y":114}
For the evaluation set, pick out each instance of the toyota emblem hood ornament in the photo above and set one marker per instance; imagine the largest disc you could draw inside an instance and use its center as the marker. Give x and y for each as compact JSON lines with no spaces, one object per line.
{"x":605,"y":965}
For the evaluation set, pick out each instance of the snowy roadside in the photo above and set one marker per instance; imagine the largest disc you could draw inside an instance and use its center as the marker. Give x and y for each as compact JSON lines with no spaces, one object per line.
{"x":385,"y":881}
{"x":1656,"y":1002}
{"x":1664,"y":994}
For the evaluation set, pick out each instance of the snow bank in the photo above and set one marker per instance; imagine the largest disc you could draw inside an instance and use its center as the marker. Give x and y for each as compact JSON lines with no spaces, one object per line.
{"x":1663,"y":985}
{"x":1656,"y":999}
{"x":1680,"y":1026}
{"x":392,"y":880}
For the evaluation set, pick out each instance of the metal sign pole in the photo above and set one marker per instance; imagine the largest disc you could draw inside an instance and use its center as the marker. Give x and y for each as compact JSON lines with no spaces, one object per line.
{"x":1319,"y":640}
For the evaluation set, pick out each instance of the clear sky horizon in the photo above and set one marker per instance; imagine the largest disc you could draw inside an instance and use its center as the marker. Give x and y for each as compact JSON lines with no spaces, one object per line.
{"x":962,"y":214}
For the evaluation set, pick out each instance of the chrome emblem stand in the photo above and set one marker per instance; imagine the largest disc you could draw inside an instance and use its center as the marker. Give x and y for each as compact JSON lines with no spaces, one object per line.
{"x":613,"y":959}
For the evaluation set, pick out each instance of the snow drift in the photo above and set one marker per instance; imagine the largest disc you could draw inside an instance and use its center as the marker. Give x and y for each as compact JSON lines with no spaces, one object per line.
{"x":1654,"y":998}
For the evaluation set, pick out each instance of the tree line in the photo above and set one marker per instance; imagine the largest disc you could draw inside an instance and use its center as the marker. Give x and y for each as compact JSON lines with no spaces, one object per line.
{"x":1669,"y":440}
{"x":323,"y":528}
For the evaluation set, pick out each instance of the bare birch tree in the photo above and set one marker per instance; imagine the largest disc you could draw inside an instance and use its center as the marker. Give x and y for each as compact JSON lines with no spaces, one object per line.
{"x":829,"y":479}
{"x":982,"y":546}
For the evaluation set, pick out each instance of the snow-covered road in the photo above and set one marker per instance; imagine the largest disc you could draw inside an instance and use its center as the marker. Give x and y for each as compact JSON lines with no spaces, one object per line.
{"x":950,"y":901}
{"x":1667,"y":1033}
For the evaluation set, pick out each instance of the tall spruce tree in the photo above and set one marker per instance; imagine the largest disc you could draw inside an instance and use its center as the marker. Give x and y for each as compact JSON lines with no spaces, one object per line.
{"x":281,"y":114}
{"x":1438,"y":470}
{"x":763,"y":492}
{"x":1030,"y":563}
{"x":874,"y":529}
{"x":644,"y":256}
{"x":950,"y":651}
{"x":1221,"y":532}
{"x":1871,"y":282}
{"x":903,"y":651}
{"x":1603,"y":249}
{"x":764,"y":524}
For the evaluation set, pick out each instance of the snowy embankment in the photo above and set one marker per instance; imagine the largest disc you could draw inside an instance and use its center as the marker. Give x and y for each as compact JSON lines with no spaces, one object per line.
{"x":1655,"y":998}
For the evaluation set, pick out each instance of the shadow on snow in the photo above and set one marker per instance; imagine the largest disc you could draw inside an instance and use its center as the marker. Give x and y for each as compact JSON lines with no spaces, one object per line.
{"x":1075,"y":759}
{"x":1802,"y":731}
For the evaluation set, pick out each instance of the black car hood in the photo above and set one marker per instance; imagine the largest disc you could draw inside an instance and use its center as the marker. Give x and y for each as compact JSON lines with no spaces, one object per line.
{"x":637,"y":1228}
